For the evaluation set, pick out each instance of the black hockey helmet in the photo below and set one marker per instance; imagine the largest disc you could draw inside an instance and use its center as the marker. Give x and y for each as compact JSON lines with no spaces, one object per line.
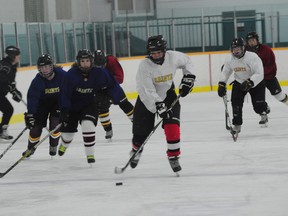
{"x":252,"y":34}
{"x":99,"y":58}
{"x":12,"y":51}
{"x":238,"y":43}
{"x":43,"y":60}
{"x":84,"y":54}
{"x":155,"y":43}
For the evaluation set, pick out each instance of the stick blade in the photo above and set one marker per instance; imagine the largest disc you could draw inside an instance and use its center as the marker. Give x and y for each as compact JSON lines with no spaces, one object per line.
{"x":118,"y":170}
{"x":2,"y":175}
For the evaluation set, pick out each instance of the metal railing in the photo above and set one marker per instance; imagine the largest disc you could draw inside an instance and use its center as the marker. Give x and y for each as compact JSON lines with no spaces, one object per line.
{"x":188,"y":34}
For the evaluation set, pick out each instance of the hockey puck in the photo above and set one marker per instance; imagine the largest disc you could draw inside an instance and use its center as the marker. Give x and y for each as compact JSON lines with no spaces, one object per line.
{"x":119,"y":183}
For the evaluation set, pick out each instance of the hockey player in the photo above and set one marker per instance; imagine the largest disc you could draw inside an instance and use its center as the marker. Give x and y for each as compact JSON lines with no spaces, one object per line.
{"x":8,"y":69}
{"x":112,"y":64}
{"x":248,"y":74}
{"x":79,"y":104}
{"x":270,"y":68}
{"x":43,"y":103}
{"x":155,"y":85}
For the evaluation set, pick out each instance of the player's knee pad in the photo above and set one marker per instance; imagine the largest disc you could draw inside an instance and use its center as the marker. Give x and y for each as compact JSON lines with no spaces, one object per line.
{"x":87,"y":126}
{"x":90,"y":118}
{"x":172,"y":132}
{"x":67,"y":137}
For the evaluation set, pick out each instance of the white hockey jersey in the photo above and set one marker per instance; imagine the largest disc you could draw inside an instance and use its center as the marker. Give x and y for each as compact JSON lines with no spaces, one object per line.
{"x":153,"y":80}
{"x":248,"y":67}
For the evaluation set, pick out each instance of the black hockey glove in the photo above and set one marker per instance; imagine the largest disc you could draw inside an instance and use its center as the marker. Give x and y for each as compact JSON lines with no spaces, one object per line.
{"x":246,"y":85}
{"x":222,"y":89}
{"x":29,"y":120}
{"x":103,"y":100}
{"x":64,"y":118}
{"x":186,"y":84}
{"x":162,"y":110}
{"x":16,"y":95}
{"x":12,"y":87}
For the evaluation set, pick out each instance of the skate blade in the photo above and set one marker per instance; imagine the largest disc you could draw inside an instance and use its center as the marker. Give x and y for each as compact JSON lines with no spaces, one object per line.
{"x":264,"y":125}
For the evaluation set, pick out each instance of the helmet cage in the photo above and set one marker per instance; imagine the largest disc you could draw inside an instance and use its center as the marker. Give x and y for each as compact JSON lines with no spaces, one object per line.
{"x":156,"y":43}
{"x":238,"y":45}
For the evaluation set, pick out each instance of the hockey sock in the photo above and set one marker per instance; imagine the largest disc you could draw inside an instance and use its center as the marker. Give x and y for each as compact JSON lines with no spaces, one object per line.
{"x":172,"y":132}
{"x":66,"y":138}
{"x":282,"y":97}
{"x":105,"y":120}
{"x":88,"y":132}
{"x":127,"y":108}
{"x":54,"y":138}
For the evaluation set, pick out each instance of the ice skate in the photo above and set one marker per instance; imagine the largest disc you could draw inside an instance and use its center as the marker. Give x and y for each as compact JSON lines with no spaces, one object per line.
{"x":109,"y":135}
{"x":174,"y":163}
{"x":264,"y":120}
{"x":135,"y":161}
{"x":236,"y":129}
{"x":4,"y":134}
{"x":61,"y":150}
{"x":90,"y":159}
{"x":29,"y":154}
{"x":52,"y":150}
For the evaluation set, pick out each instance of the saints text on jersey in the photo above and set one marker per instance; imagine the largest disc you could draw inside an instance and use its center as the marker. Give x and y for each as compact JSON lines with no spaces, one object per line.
{"x":164,"y":78}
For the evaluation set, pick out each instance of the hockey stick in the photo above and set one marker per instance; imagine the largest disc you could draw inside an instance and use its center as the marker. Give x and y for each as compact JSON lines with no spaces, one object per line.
{"x":14,"y":141}
{"x":28,"y":151}
{"x":228,"y":120}
{"x":119,"y":170}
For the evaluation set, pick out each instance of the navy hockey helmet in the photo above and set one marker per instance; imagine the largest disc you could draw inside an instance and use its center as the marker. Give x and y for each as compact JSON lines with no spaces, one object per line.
{"x":44,"y":60}
{"x":12,"y":51}
{"x":99,"y":58}
{"x":238,"y":47}
{"x":84,"y":54}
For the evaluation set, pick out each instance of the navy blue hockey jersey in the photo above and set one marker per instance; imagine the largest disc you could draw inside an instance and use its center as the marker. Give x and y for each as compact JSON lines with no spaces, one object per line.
{"x":78,"y":91}
{"x":42,"y":89}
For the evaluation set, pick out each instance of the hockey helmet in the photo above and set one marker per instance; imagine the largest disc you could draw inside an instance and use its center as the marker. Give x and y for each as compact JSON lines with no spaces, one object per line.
{"x":252,"y":35}
{"x":238,"y":47}
{"x":156,"y":43}
{"x":99,"y":58}
{"x":43,"y":61}
{"x":12,"y":51}
{"x":84,"y":54}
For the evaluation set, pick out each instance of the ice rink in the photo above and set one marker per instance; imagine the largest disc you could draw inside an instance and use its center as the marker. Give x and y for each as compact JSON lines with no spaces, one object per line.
{"x":219,"y":177}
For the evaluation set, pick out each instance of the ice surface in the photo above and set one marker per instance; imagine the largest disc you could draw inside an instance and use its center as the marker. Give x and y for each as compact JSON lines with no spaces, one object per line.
{"x":219,"y":177}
